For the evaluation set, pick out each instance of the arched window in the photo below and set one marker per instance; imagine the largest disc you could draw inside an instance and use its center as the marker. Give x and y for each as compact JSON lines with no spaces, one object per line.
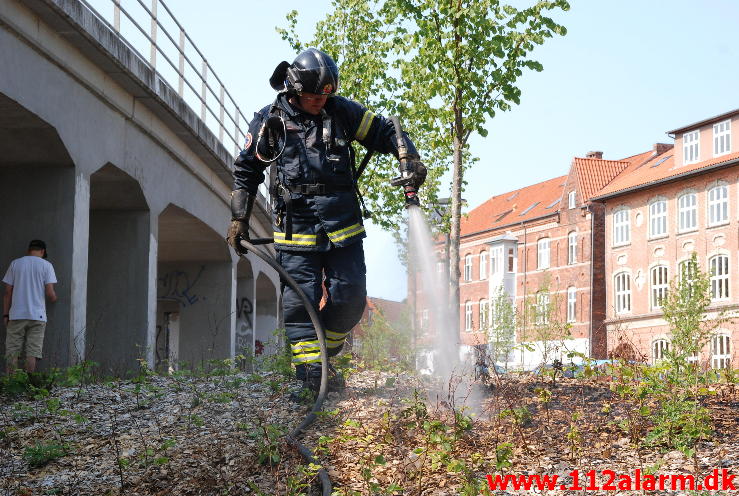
{"x":622,"y":292}
{"x":571,"y":304}
{"x":483,"y":265}
{"x":719,"y":272}
{"x":483,"y":319}
{"x":621,"y":227}
{"x":468,"y":267}
{"x":718,"y":205}
{"x":572,"y":247}
{"x":658,"y":218}
{"x":721,"y":351}
{"x":468,"y":316}
{"x":542,"y":253}
{"x":660,"y":347}
{"x":687,"y":212}
{"x":659,"y":282}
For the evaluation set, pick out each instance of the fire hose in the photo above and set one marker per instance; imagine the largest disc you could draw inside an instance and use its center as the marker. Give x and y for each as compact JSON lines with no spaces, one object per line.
{"x":292,"y":437}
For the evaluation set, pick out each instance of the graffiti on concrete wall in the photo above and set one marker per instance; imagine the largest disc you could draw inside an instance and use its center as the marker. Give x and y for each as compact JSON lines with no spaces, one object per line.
{"x":244,"y":331}
{"x":179,"y":286}
{"x":243,"y":308}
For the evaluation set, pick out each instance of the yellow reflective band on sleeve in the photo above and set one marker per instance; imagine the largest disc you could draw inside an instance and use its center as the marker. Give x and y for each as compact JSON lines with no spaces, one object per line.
{"x":364,"y":126}
{"x":347,"y":232}
{"x":298,"y":239}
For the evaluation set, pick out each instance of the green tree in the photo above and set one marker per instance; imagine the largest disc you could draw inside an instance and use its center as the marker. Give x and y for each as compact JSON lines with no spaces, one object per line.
{"x":444,"y":66}
{"x":542,"y":326}
{"x":382,"y":344}
{"x":685,"y":310}
{"x":501,"y":329}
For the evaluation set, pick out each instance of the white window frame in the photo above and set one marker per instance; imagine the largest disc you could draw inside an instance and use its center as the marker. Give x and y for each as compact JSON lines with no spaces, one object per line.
{"x":691,"y":147}
{"x":468,"y":267}
{"x":659,"y":283}
{"x":722,"y":138}
{"x":571,"y":304}
{"x":658,"y":218}
{"x":687,"y":208}
{"x":484,"y":310}
{"x":542,"y":308}
{"x":572,"y":247}
{"x":543,"y":259}
{"x":468,"y":316}
{"x":571,"y":200}
{"x":721,"y":351}
{"x":496,"y":260}
{"x":483,"y":265}
{"x":425,"y":319}
{"x":718,"y":269}
{"x":511,"y":262}
{"x":718,"y":205}
{"x":622,"y":292}
{"x":621,"y":226}
{"x":660,"y":347}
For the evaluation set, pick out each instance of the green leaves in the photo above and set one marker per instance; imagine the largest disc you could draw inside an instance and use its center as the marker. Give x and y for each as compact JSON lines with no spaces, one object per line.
{"x":444,"y":67}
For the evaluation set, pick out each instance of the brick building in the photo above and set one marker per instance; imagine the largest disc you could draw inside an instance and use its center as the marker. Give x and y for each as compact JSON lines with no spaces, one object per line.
{"x":543,"y":247}
{"x":599,"y":246}
{"x":683,"y":200}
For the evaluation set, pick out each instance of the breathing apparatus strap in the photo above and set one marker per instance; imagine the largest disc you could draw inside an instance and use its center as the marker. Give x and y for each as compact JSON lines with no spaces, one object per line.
{"x":358,"y":173}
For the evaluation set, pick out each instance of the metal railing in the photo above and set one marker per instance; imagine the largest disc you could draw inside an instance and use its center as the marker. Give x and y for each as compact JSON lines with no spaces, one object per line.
{"x":195,"y":80}
{"x":193,"y":76}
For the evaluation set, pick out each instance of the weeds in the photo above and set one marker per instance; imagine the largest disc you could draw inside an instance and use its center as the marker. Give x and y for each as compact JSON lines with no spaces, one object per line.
{"x":40,"y":454}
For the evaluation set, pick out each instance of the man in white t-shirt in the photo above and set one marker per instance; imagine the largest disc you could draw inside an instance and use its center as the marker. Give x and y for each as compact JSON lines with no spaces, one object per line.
{"x":28,"y":282}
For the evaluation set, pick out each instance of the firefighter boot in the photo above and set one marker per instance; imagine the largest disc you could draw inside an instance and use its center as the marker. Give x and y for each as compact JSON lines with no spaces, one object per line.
{"x":310,"y":375}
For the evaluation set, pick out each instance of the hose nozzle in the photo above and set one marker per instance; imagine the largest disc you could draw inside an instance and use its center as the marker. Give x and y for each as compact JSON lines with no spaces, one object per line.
{"x":408,"y":177}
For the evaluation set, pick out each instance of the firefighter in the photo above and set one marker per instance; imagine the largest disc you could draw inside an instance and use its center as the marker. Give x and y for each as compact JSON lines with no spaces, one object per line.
{"x":305,"y":136}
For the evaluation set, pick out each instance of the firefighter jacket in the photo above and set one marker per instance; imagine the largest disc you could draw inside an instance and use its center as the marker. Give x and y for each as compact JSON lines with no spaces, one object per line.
{"x":314,"y":195}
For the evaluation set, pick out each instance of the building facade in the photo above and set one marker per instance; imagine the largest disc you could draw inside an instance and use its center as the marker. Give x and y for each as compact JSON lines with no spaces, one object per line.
{"x":584,"y":260}
{"x":684,"y":200}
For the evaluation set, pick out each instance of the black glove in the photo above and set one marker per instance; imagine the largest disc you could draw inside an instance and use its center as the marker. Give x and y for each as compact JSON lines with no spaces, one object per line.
{"x":420,"y":174}
{"x":242,"y":203}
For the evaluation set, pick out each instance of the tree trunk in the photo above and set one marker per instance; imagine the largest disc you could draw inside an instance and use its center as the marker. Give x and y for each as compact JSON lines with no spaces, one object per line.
{"x":456,"y":216}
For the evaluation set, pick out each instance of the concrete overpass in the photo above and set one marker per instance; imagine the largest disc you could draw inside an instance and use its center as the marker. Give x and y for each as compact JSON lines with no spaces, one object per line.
{"x":103,"y":159}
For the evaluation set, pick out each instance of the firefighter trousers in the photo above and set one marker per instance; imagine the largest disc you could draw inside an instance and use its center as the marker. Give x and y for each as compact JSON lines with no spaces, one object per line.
{"x":343,"y":273}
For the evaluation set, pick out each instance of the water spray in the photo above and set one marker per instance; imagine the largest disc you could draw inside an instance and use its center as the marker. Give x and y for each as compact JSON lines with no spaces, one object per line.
{"x":408,"y":172}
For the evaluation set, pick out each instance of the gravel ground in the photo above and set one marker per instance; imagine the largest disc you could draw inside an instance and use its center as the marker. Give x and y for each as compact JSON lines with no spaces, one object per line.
{"x":213,"y":436}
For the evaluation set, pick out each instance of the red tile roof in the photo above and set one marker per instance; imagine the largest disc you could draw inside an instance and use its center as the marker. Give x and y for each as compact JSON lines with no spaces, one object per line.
{"x":594,"y":173}
{"x":658,"y":169}
{"x":510,"y":208}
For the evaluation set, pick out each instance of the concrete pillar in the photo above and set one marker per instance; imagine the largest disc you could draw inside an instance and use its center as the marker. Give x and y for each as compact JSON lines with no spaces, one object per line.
{"x":78,"y":296}
{"x":118,"y":286}
{"x":203,"y":296}
{"x":38,"y":202}
{"x":244,"y":331}
{"x":265,"y":313}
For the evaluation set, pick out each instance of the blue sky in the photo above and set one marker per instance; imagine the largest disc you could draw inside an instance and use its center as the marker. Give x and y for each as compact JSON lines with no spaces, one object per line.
{"x":627,"y":72}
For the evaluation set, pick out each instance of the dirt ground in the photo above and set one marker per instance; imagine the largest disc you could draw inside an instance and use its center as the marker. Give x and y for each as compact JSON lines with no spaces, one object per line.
{"x":386,"y":434}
